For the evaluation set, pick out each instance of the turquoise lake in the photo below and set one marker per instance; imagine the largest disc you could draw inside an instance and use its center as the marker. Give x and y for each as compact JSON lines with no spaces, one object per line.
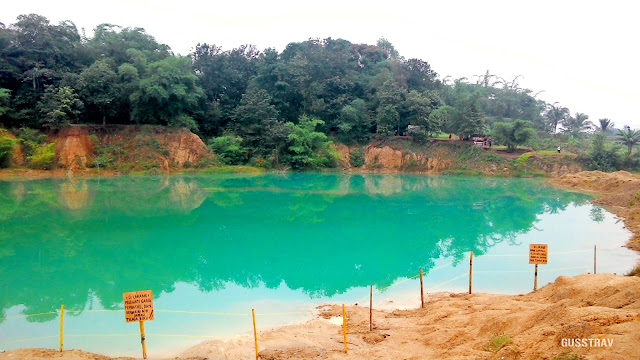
{"x":213,"y":247}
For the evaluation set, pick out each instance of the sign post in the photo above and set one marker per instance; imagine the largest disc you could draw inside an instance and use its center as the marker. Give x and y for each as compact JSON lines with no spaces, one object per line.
{"x":538,"y":255}
{"x":138,"y":307}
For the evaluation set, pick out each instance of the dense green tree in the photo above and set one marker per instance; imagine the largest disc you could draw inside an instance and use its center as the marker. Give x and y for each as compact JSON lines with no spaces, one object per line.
{"x":308,"y":148}
{"x":59,"y":107}
{"x":5,"y":96}
{"x":99,"y":89}
{"x":168,"y":94}
{"x":513,"y":134}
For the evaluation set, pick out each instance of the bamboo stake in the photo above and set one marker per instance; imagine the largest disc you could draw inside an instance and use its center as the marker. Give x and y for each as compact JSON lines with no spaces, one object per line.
{"x":535,"y":279}
{"x":371,"y":309}
{"x":421,"y":290}
{"x":143,"y":340}
{"x":344,"y":327}
{"x":61,"y":328}
{"x":594,"y":259}
{"x":470,"y":270}
{"x":255,"y":332}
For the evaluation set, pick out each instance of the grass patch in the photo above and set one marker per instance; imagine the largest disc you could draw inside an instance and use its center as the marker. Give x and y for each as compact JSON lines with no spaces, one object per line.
{"x":227,"y":170}
{"x":567,"y":356}
{"x":521,"y":161}
{"x":497,"y":342}
{"x":463,"y":172}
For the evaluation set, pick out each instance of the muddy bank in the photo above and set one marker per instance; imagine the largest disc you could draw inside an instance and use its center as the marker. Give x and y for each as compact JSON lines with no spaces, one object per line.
{"x":618,"y":192}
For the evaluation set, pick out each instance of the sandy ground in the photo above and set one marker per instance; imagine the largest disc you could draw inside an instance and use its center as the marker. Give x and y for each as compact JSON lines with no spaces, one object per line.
{"x":455,"y":326}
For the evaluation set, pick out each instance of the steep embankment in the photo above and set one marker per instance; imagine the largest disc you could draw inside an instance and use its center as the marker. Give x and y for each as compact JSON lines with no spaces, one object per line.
{"x":452,"y":157}
{"x":124,"y":149}
{"x":619,"y":192}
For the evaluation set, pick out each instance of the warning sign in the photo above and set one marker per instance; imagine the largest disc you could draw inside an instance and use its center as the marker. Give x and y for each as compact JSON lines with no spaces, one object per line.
{"x":138,"y":306}
{"x":538,"y":254}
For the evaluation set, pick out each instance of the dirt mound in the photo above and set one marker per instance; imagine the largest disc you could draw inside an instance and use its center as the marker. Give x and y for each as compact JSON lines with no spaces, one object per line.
{"x":619,"y":192}
{"x":74,"y":147}
{"x":184,"y":147}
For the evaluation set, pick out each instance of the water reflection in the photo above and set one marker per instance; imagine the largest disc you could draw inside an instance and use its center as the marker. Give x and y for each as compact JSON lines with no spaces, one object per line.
{"x":73,"y":241}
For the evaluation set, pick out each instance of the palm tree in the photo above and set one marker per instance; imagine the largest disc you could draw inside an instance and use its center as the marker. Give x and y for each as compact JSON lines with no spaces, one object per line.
{"x":555,"y":114}
{"x":605,"y":124}
{"x":630,"y":138}
{"x":577,"y":124}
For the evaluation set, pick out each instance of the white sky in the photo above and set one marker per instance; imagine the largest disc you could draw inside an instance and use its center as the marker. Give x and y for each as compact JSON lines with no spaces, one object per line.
{"x":582,"y":54}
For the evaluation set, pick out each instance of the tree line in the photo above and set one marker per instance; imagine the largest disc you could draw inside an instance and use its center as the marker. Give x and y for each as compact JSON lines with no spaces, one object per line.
{"x":262,"y":106}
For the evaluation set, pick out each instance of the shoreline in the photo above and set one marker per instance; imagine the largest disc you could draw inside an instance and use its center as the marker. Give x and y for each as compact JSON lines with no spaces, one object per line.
{"x":610,"y":190}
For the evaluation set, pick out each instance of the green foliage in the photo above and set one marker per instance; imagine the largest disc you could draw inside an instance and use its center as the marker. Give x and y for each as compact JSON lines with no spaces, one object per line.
{"x":7,"y":146}
{"x":43,"y":157}
{"x":307,"y":148}
{"x":629,"y":138}
{"x":229,"y":149}
{"x":356,"y":158}
{"x":602,"y":157}
{"x":635,"y":271}
{"x":521,"y":161}
{"x":497,"y":342}
{"x":567,"y":355}
{"x":514,"y":134}
{"x":5,"y":95}
{"x":30,"y":139}
{"x":59,"y":107}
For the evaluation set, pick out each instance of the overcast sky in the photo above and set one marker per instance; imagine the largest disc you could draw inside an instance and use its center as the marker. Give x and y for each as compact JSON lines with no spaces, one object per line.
{"x":583,"y":54}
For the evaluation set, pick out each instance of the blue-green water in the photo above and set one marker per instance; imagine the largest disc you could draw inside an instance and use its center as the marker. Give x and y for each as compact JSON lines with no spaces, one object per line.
{"x":276,"y":243}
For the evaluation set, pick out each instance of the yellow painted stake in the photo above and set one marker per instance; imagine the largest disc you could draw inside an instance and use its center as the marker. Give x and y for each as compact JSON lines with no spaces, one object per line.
{"x":255,"y":332}
{"x":143,"y":340}
{"x":535,"y":279}
{"x":61,"y":328}
{"x":344,"y":327}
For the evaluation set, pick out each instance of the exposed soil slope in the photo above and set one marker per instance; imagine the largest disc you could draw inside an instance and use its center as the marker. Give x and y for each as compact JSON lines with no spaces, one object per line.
{"x":619,"y":192}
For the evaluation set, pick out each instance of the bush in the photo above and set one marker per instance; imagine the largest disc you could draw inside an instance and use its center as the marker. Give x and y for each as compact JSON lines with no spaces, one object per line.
{"x":356,"y":158}
{"x":497,"y":342}
{"x":229,"y":149}
{"x":184,"y":121}
{"x":30,"y":139}
{"x":43,"y":156}
{"x":602,"y":157}
{"x":7,"y":146}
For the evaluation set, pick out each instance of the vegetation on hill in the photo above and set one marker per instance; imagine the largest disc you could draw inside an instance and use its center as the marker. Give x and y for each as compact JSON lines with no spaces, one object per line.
{"x":261,"y":102}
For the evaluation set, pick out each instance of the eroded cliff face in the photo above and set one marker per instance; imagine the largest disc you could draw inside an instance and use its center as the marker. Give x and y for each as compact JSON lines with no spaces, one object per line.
{"x":74,"y":148}
{"x":130,"y":146}
{"x":389,"y":159}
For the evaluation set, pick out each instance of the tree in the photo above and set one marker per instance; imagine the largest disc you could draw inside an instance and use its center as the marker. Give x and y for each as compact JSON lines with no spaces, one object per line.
{"x":5,"y":95}
{"x":388,"y":115}
{"x":576,"y":125}
{"x":630,"y":138}
{"x":514,"y":134}
{"x":605,"y":124}
{"x":99,"y":89}
{"x":60,"y":106}
{"x":309,"y":148}
{"x":555,"y":114}
{"x":168,"y":94}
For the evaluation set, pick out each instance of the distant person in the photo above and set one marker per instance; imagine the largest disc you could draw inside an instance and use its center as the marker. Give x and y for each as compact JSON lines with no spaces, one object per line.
{"x":490,"y":142}
{"x":449,"y":136}
{"x":558,"y":149}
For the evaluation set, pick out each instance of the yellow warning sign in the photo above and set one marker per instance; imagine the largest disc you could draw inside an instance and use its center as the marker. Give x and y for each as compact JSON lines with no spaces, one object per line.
{"x":138,"y":306}
{"x":538,"y":254}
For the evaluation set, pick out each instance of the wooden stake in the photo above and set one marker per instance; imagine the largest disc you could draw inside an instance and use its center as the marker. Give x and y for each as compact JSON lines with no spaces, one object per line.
{"x":421,"y":290}
{"x":344,"y":326}
{"x":371,"y":309}
{"x":535,"y":279}
{"x":594,"y":259}
{"x":143,"y":340}
{"x":61,"y":328}
{"x":255,"y":332}
{"x":470,"y":270}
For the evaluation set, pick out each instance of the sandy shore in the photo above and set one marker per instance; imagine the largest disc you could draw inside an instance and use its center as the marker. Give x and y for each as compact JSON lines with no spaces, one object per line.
{"x":454,"y":326}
